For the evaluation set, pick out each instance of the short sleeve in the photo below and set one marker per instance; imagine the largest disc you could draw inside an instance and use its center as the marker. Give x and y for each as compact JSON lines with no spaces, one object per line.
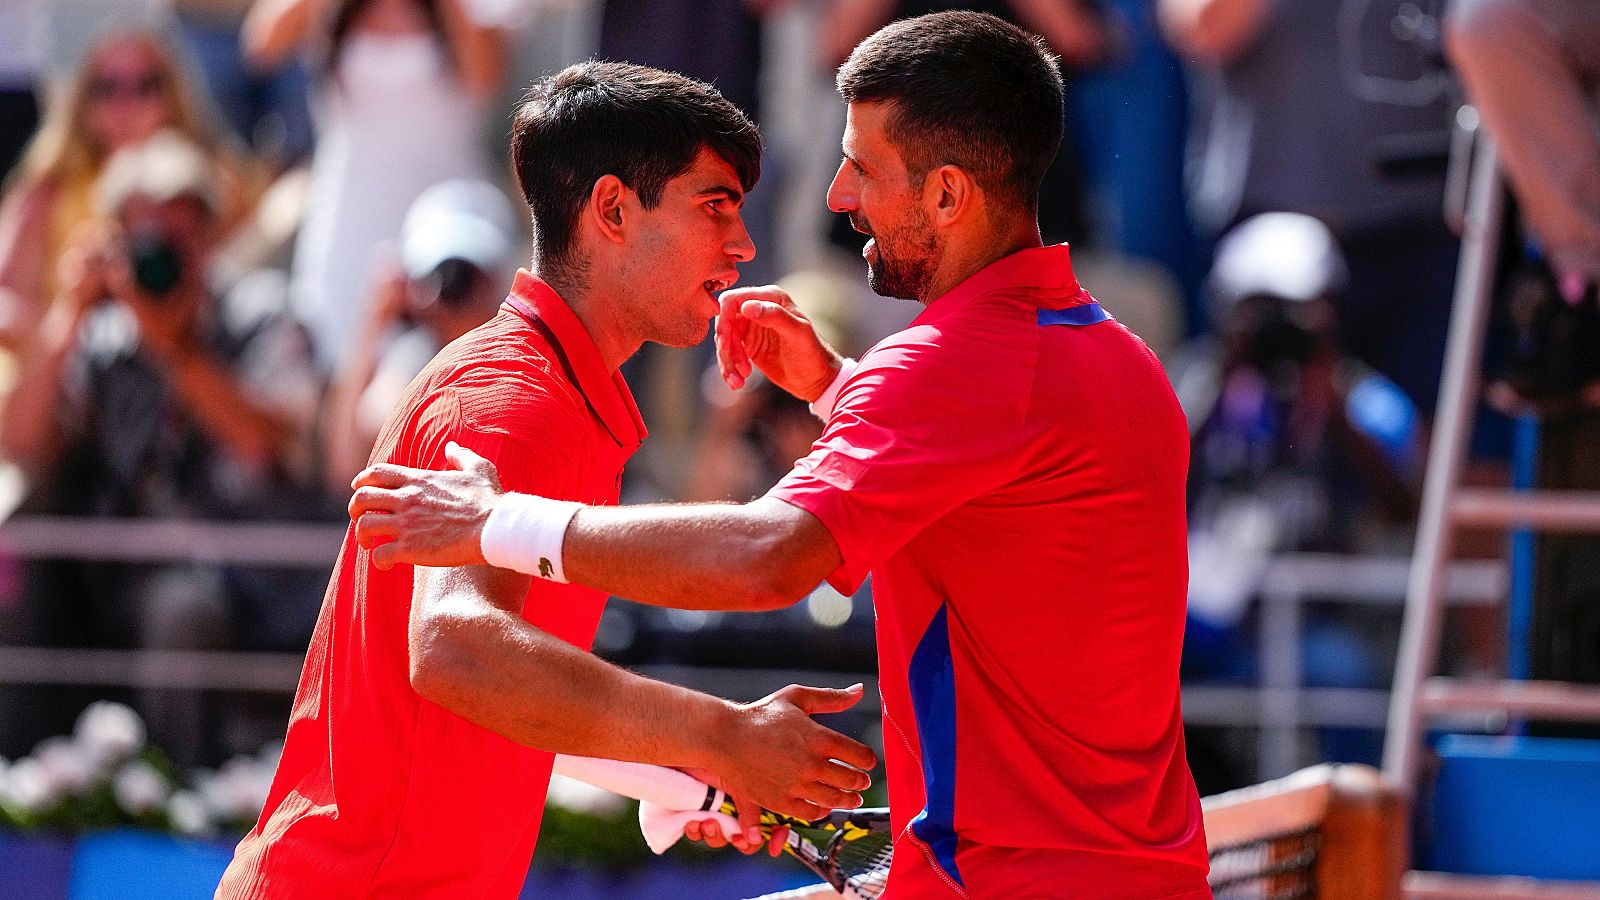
{"x":910,"y":439}
{"x":536,"y":442}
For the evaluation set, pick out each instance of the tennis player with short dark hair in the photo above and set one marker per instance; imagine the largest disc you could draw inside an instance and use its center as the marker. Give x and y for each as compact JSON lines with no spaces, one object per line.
{"x":409,"y":767}
{"x":1010,"y":468}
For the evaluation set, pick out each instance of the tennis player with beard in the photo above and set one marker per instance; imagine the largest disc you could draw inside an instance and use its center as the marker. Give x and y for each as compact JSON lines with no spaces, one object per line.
{"x":1010,"y":468}
{"x":420,"y":742}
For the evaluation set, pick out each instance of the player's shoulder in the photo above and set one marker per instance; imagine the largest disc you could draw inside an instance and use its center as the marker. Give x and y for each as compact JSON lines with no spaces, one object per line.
{"x":501,"y":374}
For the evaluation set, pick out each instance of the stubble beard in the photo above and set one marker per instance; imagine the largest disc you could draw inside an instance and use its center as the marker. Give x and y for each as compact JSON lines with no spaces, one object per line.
{"x":905,"y":263}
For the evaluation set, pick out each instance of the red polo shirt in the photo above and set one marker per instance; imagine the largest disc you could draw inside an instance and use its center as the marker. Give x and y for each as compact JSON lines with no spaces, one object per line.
{"x":381,"y":793}
{"x":1011,"y":468}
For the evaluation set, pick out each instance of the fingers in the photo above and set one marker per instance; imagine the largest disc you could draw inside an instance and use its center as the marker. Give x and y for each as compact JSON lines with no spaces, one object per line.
{"x":374,"y":528}
{"x":467,"y":461}
{"x":830,"y":798}
{"x":384,"y":475}
{"x":802,"y":809}
{"x":386,"y":555}
{"x":772,"y":315}
{"x":851,"y":753}
{"x":814,"y":700}
{"x":708,"y":832}
{"x":367,"y":499}
{"x":733,"y":361}
{"x":775,"y":844}
{"x":844,"y":777}
{"x":750,"y":821}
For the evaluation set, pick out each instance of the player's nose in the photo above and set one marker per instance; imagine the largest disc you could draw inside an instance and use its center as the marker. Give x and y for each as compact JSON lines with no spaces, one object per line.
{"x":740,"y":248}
{"x":842,"y":193}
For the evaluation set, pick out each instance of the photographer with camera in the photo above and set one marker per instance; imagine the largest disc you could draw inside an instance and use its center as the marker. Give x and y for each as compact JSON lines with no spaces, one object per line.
{"x":456,"y":252}
{"x":1298,"y":446}
{"x":149,"y":392}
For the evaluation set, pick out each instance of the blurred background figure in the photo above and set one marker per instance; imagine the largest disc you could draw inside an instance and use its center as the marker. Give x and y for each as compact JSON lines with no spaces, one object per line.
{"x":1298,"y":446}
{"x":457,"y":252}
{"x":149,"y":390}
{"x":266,"y":107}
{"x":1342,"y":111}
{"x":400,"y":100}
{"x":128,"y":87}
{"x":1531,"y":68}
{"x":21,"y":66}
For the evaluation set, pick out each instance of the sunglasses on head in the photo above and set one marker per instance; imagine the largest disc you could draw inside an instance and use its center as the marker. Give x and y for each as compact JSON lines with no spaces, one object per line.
{"x":140,"y":87}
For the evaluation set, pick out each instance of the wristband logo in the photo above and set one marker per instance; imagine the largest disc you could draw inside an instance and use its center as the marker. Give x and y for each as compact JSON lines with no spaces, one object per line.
{"x":547,"y":569}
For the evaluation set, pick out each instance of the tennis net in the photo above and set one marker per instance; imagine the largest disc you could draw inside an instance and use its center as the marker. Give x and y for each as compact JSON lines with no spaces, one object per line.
{"x":1332,"y":832}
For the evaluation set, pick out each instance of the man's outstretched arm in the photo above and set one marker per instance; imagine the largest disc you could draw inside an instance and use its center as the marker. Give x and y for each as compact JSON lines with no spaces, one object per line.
{"x":759,"y":555}
{"x":474,"y":655}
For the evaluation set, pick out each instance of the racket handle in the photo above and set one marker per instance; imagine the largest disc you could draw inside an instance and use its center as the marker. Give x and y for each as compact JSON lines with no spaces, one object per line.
{"x":660,"y":785}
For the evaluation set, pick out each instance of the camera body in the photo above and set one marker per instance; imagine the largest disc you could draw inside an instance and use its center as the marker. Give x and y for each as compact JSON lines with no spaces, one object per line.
{"x":156,"y":263}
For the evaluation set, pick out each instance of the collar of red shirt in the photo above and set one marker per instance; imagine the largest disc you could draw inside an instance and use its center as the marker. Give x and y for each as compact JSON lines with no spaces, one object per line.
{"x":606,"y":392}
{"x":1042,"y":273}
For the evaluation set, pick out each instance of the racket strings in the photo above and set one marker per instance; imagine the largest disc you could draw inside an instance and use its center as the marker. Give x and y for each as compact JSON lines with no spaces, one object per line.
{"x":851,"y":849}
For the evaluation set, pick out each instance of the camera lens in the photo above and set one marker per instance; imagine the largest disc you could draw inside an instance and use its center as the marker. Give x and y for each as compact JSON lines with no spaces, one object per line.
{"x":156,"y":263}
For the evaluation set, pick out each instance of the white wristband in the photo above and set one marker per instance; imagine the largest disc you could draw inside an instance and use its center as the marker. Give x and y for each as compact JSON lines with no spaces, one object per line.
{"x":822,"y":407}
{"x":525,"y":533}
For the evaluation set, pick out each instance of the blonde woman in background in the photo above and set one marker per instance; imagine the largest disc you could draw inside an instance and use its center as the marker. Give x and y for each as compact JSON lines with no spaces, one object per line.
{"x":129,"y":86}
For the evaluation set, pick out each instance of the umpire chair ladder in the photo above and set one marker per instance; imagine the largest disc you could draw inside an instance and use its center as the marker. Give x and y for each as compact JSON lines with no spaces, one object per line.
{"x":1418,"y":696}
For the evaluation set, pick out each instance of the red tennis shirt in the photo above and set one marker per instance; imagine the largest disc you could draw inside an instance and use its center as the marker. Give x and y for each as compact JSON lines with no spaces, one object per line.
{"x":1011,"y":468}
{"x":381,"y":793}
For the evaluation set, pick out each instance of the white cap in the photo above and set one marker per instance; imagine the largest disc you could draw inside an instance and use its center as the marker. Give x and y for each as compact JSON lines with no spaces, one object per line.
{"x":458,"y":219}
{"x":165,"y":167}
{"x":1285,"y":255}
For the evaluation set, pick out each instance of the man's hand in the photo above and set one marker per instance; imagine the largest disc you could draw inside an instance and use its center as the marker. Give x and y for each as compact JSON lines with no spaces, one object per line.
{"x":747,"y":839}
{"x":426,"y":518}
{"x":762,"y":327}
{"x":775,"y":755}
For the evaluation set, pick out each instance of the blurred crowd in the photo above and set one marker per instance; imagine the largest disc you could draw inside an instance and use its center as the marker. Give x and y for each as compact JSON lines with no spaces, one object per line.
{"x":233,"y":230}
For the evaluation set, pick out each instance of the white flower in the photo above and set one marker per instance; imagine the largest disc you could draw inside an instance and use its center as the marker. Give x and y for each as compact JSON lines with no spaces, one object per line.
{"x":236,"y":791}
{"x":111,"y":731}
{"x":188,"y":813}
{"x":68,"y":766}
{"x":569,"y":793}
{"x":27,"y":787}
{"x":139,"y":788}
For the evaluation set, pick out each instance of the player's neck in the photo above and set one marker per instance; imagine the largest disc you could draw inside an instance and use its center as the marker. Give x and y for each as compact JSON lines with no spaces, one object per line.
{"x":600,"y":317}
{"x":966,"y":255}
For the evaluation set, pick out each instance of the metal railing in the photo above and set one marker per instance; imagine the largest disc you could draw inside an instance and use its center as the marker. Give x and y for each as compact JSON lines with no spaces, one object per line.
{"x":1279,"y":706}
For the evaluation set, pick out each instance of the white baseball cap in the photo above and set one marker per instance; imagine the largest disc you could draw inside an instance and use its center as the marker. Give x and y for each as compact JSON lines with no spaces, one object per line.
{"x":458,"y":219}
{"x":1279,"y":254}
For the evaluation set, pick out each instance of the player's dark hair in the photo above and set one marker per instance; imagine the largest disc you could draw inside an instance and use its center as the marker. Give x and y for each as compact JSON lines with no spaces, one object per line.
{"x":969,"y":90}
{"x":643,"y":125}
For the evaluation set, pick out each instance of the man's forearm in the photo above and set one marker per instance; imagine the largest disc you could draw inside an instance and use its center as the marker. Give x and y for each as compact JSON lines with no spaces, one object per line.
{"x":472,"y":653}
{"x":533,"y":688}
{"x":754,"y":556}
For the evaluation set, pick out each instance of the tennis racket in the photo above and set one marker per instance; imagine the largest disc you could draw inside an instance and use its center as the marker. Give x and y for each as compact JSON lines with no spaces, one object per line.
{"x":849,"y":849}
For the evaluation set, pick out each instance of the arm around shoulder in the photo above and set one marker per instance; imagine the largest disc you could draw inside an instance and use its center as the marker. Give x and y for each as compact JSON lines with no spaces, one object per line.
{"x":761,"y":555}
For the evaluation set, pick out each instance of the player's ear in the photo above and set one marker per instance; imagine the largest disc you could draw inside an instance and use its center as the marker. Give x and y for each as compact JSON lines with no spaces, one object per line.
{"x":607,"y":207}
{"x":950,"y":194}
